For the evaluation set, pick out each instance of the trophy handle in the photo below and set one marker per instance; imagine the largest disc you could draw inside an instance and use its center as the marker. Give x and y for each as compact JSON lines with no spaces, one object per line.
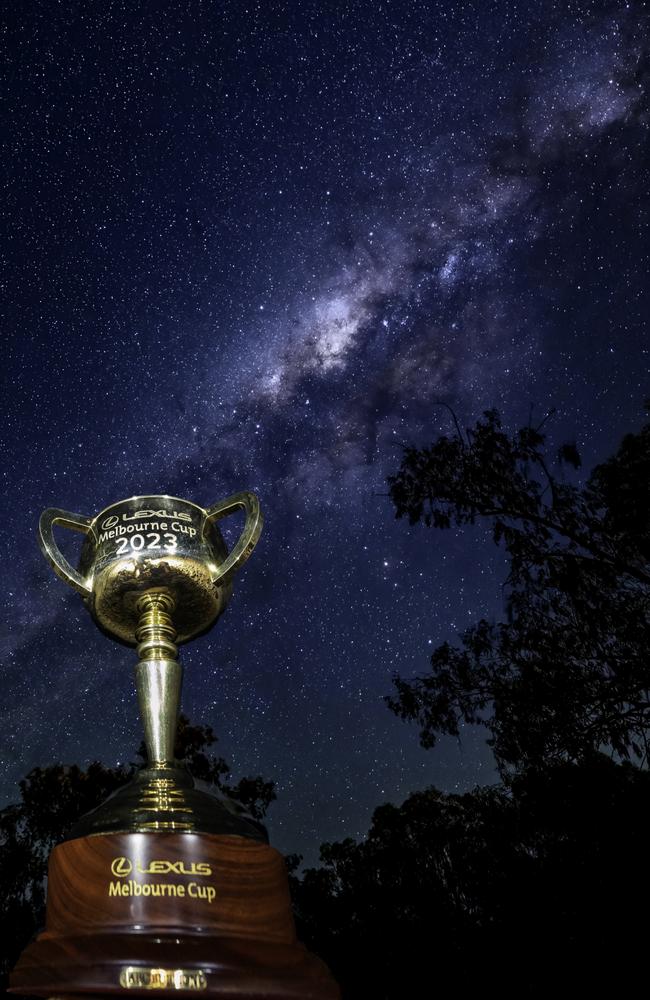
{"x":249,"y":536}
{"x":51,"y":551}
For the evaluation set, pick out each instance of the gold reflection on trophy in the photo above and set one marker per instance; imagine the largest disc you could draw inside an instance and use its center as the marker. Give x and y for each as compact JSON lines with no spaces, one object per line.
{"x":154,"y":572}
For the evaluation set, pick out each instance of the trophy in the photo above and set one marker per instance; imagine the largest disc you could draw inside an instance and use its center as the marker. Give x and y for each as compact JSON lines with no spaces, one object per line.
{"x":163,"y":886}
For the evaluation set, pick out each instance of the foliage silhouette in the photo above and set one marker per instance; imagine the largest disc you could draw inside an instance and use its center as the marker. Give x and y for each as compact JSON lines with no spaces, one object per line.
{"x":534,"y":886}
{"x":54,"y":798}
{"x":567,"y":673}
{"x":521,"y":891}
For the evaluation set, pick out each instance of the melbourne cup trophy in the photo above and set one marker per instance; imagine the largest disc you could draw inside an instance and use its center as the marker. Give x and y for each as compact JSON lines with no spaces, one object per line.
{"x":162,"y":886}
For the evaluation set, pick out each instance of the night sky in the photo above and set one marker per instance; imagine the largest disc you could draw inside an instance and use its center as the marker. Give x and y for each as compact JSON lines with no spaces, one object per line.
{"x":254,"y":246}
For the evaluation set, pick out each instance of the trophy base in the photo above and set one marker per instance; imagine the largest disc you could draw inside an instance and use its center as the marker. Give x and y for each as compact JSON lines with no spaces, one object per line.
{"x":182,"y":912}
{"x":164,"y":798}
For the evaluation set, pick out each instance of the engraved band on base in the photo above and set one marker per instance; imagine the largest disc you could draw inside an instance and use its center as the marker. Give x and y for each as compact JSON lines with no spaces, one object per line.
{"x":138,"y":977}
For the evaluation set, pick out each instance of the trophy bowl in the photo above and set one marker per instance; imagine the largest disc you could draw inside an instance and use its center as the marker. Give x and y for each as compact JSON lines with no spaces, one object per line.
{"x":154,"y":544}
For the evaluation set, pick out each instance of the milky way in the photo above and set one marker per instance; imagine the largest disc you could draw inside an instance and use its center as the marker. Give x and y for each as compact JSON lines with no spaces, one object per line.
{"x":257,"y":247}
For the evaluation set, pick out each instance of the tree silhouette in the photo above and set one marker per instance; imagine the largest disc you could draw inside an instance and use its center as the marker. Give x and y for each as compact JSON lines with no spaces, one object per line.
{"x":523,"y":892}
{"x":535,"y":886}
{"x":53,"y":798}
{"x":567,"y":673}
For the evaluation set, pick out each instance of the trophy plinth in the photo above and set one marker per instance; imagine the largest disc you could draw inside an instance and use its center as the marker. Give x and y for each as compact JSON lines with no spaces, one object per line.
{"x":180,"y":911}
{"x":164,"y":886}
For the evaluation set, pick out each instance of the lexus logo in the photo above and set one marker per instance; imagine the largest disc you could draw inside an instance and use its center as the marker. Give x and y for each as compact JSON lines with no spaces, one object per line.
{"x":121,"y":867}
{"x":110,"y":522}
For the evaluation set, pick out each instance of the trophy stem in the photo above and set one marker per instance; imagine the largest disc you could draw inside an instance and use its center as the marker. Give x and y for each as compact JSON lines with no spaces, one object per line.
{"x":158,"y":676}
{"x":162,"y":796}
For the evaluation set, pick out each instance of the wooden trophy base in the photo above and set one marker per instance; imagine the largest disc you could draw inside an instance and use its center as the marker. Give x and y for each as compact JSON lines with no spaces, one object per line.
{"x":183,"y":912}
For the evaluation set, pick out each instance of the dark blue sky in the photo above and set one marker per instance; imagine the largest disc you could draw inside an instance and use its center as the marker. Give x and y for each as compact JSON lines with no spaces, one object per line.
{"x":252,"y":246}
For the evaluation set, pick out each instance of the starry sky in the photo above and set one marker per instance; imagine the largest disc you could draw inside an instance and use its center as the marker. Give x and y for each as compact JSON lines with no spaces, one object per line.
{"x":254,"y":246}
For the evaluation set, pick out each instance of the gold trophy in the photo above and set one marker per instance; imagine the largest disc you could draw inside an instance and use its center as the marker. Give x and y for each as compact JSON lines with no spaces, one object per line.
{"x":162,"y":886}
